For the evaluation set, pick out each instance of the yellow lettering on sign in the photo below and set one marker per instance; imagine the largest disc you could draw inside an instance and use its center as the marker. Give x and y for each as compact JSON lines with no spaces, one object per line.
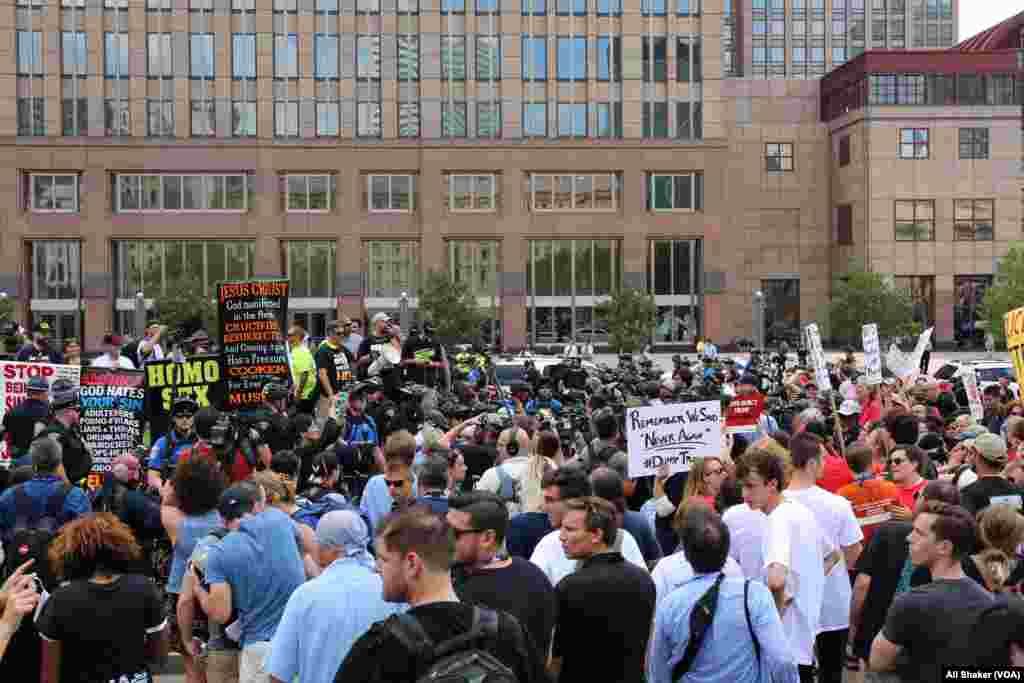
{"x":1014,"y":326}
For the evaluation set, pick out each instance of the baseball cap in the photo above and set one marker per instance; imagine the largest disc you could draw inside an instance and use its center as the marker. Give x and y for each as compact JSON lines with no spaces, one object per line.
{"x":380,"y":317}
{"x":849,"y":407}
{"x":38,"y":384}
{"x":748,"y":378}
{"x":237,"y":501}
{"x":126,"y":468}
{"x":112,"y":340}
{"x":991,"y":448}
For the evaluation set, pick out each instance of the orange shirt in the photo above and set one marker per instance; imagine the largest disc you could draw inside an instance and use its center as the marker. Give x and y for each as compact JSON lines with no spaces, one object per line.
{"x":908,"y":494}
{"x":870,"y":500}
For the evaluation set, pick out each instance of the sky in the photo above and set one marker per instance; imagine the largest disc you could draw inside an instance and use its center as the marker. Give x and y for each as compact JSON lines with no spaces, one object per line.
{"x":978,"y":15}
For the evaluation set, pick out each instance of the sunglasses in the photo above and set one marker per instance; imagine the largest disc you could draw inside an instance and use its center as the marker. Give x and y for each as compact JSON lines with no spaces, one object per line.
{"x":459,"y":533}
{"x":897,"y":461}
{"x":395,"y":483}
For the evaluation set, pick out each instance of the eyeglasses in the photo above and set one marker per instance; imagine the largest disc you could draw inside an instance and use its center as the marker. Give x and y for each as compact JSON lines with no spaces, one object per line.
{"x":459,"y":533}
{"x":714,"y":473}
{"x":395,"y":483}
{"x":897,"y":461}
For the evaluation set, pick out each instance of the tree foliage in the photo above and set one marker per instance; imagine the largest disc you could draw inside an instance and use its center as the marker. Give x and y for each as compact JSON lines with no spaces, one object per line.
{"x":1006,"y":292}
{"x":452,"y":308}
{"x":630,"y":315}
{"x":186,"y":306}
{"x":870,"y":298}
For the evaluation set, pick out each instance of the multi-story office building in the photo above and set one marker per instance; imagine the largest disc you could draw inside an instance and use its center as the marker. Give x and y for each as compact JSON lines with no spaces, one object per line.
{"x":545,"y":151}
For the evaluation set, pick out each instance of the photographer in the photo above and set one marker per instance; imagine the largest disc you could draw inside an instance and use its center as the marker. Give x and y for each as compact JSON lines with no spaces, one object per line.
{"x":358,"y":447}
{"x":221,"y":441}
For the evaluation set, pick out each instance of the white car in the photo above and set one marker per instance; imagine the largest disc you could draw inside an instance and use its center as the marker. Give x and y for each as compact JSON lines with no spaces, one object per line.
{"x":988,"y":372}
{"x":510,"y":369}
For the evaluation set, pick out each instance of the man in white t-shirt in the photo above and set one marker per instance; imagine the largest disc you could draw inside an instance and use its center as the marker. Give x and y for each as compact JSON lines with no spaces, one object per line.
{"x":794,"y":554}
{"x":549,"y":554}
{"x":834,"y":515}
{"x":747,"y":528}
{"x":112,"y":357}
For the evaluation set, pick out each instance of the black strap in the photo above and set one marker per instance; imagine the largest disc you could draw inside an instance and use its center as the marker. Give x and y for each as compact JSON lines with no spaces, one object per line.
{"x":750,"y":627}
{"x":411,"y":634}
{"x":701,"y":616}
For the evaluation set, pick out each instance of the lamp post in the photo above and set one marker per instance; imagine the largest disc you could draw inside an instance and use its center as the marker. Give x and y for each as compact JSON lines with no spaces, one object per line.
{"x":403,"y":312}
{"x":140,"y":314}
{"x":759,"y":318}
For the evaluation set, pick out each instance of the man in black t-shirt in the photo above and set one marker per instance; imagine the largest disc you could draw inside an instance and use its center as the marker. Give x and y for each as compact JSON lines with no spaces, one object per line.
{"x":414,"y":561}
{"x":479,"y":520}
{"x":422,"y":356}
{"x":333,"y":369}
{"x":372,"y":346}
{"x":991,"y":484}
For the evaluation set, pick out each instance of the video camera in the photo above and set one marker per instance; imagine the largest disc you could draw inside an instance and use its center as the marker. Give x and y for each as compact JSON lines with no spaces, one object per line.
{"x":232,"y":432}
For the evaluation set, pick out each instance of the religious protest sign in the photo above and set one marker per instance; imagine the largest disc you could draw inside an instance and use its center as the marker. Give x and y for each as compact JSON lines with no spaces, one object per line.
{"x":113,"y":407}
{"x":197,"y":376}
{"x":14,"y":379}
{"x":674,"y":434}
{"x":872,"y":353}
{"x":1013,"y":322}
{"x":253,"y":318}
{"x":817,"y":354}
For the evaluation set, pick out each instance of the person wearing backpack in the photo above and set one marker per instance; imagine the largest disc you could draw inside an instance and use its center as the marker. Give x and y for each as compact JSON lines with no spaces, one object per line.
{"x":507,"y":475}
{"x":439,"y":635}
{"x":601,"y":449}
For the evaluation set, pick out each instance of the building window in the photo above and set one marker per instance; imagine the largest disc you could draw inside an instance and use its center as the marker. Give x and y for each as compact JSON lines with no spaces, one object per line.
{"x":56,"y":269}
{"x":368,"y":123}
{"x":488,"y":119}
{"x":472,"y":193}
{"x":309,"y":193}
{"x":30,"y":53}
{"x":915,"y":220}
{"x":453,"y":119}
{"x":572,"y":120}
{"x":286,"y":119}
{"x":844,"y":150}
{"x":534,"y":7}
{"x":75,"y":57}
{"x":53,"y":193}
{"x":31,"y":116}
{"x":654,"y":62}
{"x":286,"y":6}
{"x":392,"y":267}
{"x":572,"y":59}
{"x":689,"y":120}
{"x":609,"y":8}
{"x":488,"y":58}
{"x":609,"y":58}
{"x":913,"y":143}
{"x":327,"y":120}
{"x":310,"y":266}
{"x":327,"y":7}
{"x":453,"y":6}
{"x":286,"y":56}
{"x":408,"y":57}
{"x":475,"y":263}
{"x":117,"y":117}
{"x":609,"y":120}
{"x":781,"y":309}
{"x":921,"y":290}
{"x":409,"y":119}
{"x":778,"y":156}
{"x":655,"y":119}
{"x":325,"y":48}
{"x":243,"y":119}
{"x":575,"y":192}
{"x":453,"y":58}
{"x":486,"y":6}
{"x":844,"y":224}
{"x":166,"y":192}
{"x":974,"y":143}
{"x":973,"y":220}
{"x":574,"y":7}
{"x":968,"y":313}
{"x":674,"y":276}
{"x":652,"y":8}
{"x":535,"y":58}
{"x":203,"y":122}
{"x":675,"y":192}
{"x":691,"y":7}
{"x":158,"y":58}
{"x":202,"y":55}
{"x":688,"y":60}
{"x":391,"y":193}
{"x":151,"y":266}
{"x":247,"y":6}
{"x":115,"y":57}
{"x":368,"y":57}
{"x":160,"y":117}
{"x":243,"y":56}
{"x":535,"y":119}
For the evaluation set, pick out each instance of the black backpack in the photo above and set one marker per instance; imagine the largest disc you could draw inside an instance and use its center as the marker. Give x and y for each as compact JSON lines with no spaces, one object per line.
{"x":461,"y":659}
{"x":30,"y":538}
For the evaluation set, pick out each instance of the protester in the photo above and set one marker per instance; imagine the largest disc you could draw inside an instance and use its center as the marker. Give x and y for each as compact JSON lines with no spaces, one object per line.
{"x":334,"y":365}
{"x":607,"y":484}
{"x":47,"y":502}
{"x":39,"y":351}
{"x":871,"y":496}
{"x":25,"y":420}
{"x":676,"y":569}
{"x":991,"y":484}
{"x":112,"y":357}
{"x":305,"y":378}
{"x":509,"y":473}
{"x":906,"y":464}
{"x":386,"y":492}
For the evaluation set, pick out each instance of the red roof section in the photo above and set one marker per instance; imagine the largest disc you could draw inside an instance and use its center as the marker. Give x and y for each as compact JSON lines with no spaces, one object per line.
{"x":1003,"y":36}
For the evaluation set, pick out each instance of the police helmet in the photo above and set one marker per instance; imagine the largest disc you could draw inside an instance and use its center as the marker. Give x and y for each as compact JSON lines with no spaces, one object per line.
{"x":184,"y":406}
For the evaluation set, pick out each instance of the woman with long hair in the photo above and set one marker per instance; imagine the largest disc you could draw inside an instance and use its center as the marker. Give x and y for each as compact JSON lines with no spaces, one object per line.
{"x":105,"y":623}
{"x":703,"y":482}
{"x":542,"y":460}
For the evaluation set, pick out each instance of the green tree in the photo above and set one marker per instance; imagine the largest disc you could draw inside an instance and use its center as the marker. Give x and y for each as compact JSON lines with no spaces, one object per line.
{"x":9,"y":339}
{"x":865,"y":297}
{"x":452,"y":308}
{"x":1005,"y":294}
{"x":630,"y":315}
{"x":185,"y":306}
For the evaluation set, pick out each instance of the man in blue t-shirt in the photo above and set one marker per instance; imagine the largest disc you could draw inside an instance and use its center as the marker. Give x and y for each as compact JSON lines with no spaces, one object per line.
{"x":168,"y":448}
{"x":253,"y":572}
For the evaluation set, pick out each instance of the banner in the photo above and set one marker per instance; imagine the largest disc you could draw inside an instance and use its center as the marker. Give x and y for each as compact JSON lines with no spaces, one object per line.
{"x":922,"y":344}
{"x":674,"y":434}
{"x":253,"y":320}
{"x":1013,"y":322}
{"x":821,"y":376}
{"x":198,"y":377}
{"x":14,"y":379}
{"x":744,"y":413}
{"x":973,"y":394}
{"x":113,"y":407}
{"x":872,"y":353}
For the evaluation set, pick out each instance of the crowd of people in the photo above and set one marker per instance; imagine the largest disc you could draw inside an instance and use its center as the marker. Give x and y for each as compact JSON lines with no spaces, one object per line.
{"x":339,"y":534}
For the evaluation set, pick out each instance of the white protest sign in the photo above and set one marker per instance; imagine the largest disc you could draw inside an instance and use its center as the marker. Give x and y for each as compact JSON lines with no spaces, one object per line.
{"x":821,"y":376}
{"x":14,"y":379}
{"x":674,"y":434}
{"x":898,"y":362}
{"x":922,"y":344}
{"x":872,"y":353}
{"x":973,"y":394}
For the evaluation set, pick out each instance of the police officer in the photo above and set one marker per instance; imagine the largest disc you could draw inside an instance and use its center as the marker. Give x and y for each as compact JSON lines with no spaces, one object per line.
{"x":27,"y":420}
{"x":167,"y":449}
{"x":62,"y":427}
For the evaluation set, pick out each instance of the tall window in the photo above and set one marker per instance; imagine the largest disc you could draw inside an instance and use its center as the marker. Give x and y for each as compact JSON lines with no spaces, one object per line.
{"x":913,"y":143}
{"x":286,"y":119}
{"x":609,"y":120}
{"x":134,"y":193}
{"x":391,"y":193}
{"x":654,"y":59}
{"x":689,"y":120}
{"x":310,"y":267}
{"x":286,"y":56}
{"x":243,"y":118}
{"x":327,"y":118}
{"x":368,"y":57}
{"x":572,"y":58}
{"x":973,"y":220}
{"x":115,"y":55}
{"x":778,"y":156}
{"x":75,"y":68}
{"x":674,"y":276}
{"x":572,"y":120}
{"x":408,"y":57}
{"x":31,"y":116}
{"x":844,"y":224}
{"x":56,"y":269}
{"x":392,"y":267}
{"x":309,"y":193}
{"x":30,"y":53}
{"x":117,"y":117}
{"x":488,"y":58}
{"x":202,"y":55}
{"x":915,"y":220}
{"x":535,"y":58}
{"x":151,"y":266}
{"x":325,"y":47}
{"x":609,"y":58}
{"x":75,"y":53}
{"x":675,"y":192}
{"x":575,"y":192}
{"x":688,"y":60}
{"x":973,"y":143}
{"x":655,"y":8}
{"x":488,"y":119}
{"x":475,"y":263}
{"x":409,"y":119}
{"x":534,"y":7}
{"x":535,"y":119}
{"x":575,"y":7}
{"x":453,"y":58}
{"x":203,"y":121}
{"x":243,"y":56}
{"x":468,"y":192}
{"x":160,"y":117}
{"x":655,"y":119}
{"x":368,"y":120}
{"x":158,"y":58}
{"x":53,"y":193}
{"x":453,"y":119}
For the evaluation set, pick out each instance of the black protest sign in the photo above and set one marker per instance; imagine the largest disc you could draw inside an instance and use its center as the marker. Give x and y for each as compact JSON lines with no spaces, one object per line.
{"x":197,"y":376}
{"x":113,"y":406}
{"x":253,"y":317}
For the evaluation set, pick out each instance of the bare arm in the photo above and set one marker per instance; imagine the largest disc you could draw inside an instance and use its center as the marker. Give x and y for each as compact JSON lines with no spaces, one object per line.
{"x":51,"y":653}
{"x":860,"y":593}
{"x":186,"y":610}
{"x":883,"y":654}
{"x":325,"y":382}
{"x":852,"y":554}
{"x":216,"y":602}
{"x":157,"y":645}
{"x":776,"y":580}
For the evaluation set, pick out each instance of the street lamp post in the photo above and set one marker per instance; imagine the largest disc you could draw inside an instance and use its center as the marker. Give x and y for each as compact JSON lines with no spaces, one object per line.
{"x":140,"y":314}
{"x":759,"y":318}
{"x":403,"y":312}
